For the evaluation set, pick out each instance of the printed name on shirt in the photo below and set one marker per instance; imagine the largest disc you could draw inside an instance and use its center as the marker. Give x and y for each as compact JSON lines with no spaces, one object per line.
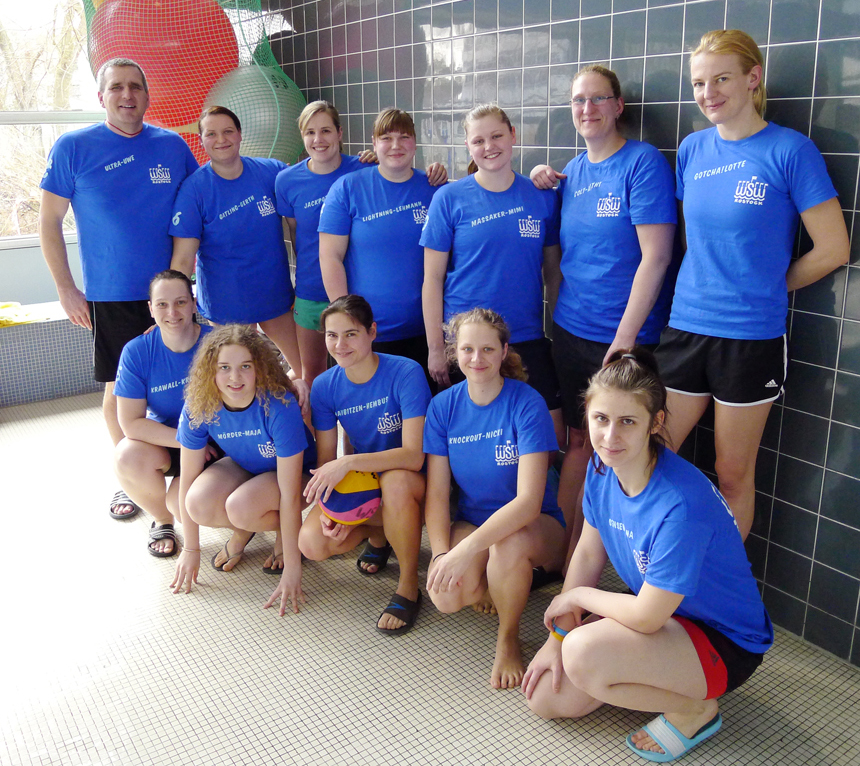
{"x":159,"y":175}
{"x":642,"y":561}
{"x":388,"y":424}
{"x":120,"y":163}
{"x":391,"y":211}
{"x":166,"y":386}
{"x":246,"y":201}
{"x":751,"y":192}
{"x":474,"y":437}
{"x":529,"y":227}
{"x":314,"y":202}
{"x":608,"y":207}
{"x":500,"y":214}
{"x":620,"y":527}
{"x":239,"y":434}
{"x":718,"y":170}
{"x":266,"y":207}
{"x":507,"y":453}
{"x":267,"y":449}
{"x":592,"y":185}
{"x":361,"y":407}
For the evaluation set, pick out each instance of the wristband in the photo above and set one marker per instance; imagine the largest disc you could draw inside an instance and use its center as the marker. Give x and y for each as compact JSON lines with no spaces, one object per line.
{"x":192,"y":550}
{"x":560,"y":631}
{"x":438,"y":555}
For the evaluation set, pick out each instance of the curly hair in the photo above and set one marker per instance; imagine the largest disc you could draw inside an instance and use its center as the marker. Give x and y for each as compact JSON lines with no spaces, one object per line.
{"x":202,"y":396}
{"x":632,"y":371}
{"x":512,"y":364}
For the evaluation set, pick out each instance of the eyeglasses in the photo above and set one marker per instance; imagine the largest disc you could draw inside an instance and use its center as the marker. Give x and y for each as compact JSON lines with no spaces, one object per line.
{"x":596,"y":100}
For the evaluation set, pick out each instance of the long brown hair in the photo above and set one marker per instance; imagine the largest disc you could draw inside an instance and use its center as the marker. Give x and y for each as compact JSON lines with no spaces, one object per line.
{"x":632,"y":371}
{"x":202,"y":396}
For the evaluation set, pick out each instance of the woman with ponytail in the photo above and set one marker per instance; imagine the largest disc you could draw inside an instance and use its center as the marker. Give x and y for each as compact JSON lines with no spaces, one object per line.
{"x":493,"y":434}
{"x":692,"y":626}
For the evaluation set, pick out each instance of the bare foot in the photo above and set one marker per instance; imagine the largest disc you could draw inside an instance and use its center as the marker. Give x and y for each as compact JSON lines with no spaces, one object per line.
{"x":687,"y":724}
{"x":226,"y":558}
{"x":389,"y":621}
{"x":275,"y":561}
{"x":485,"y":605}
{"x":165,"y":545}
{"x":508,"y":670}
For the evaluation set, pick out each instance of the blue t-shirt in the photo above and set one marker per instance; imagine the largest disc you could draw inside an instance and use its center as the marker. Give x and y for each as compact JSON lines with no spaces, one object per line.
{"x":384,"y":261}
{"x":253,"y":437}
{"x":243,"y":271}
{"x":149,"y":370}
{"x":679,"y":535}
{"x":496,"y":241}
{"x":601,"y":205}
{"x":301,"y":193}
{"x":122,"y":191}
{"x":483,"y":445}
{"x":742,"y":201}
{"x":371,"y":413}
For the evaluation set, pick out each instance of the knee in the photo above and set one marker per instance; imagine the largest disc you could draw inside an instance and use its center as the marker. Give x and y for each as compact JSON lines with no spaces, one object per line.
{"x":126,"y":457}
{"x":548,"y":703}
{"x":199,"y":507}
{"x":237,"y":512}
{"x":511,"y":550}
{"x":448,"y":602}
{"x":313,"y":544}
{"x":734,"y":475}
{"x":396,"y":490}
{"x":581,"y":655}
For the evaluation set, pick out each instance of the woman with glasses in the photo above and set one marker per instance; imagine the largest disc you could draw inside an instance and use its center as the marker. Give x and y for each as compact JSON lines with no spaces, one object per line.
{"x":618,"y":217}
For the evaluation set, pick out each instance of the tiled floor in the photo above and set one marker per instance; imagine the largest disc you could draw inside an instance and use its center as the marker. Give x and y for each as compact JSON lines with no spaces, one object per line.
{"x":103,"y":665}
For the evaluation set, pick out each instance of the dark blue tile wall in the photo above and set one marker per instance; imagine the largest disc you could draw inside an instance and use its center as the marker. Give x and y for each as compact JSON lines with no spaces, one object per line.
{"x":437,"y":59}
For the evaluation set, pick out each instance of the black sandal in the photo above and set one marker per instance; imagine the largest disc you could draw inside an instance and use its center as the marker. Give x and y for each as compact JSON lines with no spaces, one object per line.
{"x":162,"y":532}
{"x":403,"y":609}
{"x":120,"y":498}
{"x":373,"y":555}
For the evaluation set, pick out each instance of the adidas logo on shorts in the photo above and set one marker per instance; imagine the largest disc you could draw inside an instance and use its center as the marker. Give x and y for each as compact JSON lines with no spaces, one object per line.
{"x":771,"y":384}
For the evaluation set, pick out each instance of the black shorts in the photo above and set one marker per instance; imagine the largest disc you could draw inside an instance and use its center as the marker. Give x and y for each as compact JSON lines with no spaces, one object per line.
{"x":115,"y":323}
{"x":411,"y":348}
{"x":738,"y":373}
{"x":576,"y":360}
{"x":174,"y":453}
{"x":726,"y":664}
{"x":537,"y":359}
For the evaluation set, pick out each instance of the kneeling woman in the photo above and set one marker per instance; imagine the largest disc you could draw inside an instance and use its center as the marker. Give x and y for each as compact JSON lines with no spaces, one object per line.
{"x":239,"y":396}
{"x":494,"y":434}
{"x":694,"y":627}
{"x":152,"y":371}
{"x":380,"y":401}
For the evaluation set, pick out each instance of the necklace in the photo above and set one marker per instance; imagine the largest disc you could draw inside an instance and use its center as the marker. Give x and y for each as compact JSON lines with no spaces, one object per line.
{"x":123,"y":131}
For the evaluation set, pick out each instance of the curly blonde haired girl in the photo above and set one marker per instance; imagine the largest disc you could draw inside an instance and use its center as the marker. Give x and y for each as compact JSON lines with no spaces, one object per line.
{"x":239,"y":397}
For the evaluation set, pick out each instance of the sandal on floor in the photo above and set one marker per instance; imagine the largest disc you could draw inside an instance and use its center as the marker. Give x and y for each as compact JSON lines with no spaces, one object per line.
{"x":234,"y":556}
{"x":271,"y":570}
{"x":120,"y":498}
{"x":373,"y":555}
{"x":403,"y":609}
{"x":162,"y":532}
{"x":541,"y":577}
{"x":671,"y":740}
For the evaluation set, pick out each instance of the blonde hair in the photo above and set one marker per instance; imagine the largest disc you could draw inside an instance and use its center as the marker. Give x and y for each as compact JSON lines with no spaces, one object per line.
{"x":735,"y":42}
{"x":315,"y":108}
{"x":202,"y":396}
{"x":512,"y":364}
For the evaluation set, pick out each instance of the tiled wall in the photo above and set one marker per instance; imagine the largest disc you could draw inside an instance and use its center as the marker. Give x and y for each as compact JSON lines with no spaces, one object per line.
{"x":45,"y":360}
{"x":437,"y":59}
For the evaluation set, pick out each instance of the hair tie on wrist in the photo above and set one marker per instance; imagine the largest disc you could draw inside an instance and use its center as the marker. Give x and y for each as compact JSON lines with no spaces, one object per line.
{"x":439,"y":554}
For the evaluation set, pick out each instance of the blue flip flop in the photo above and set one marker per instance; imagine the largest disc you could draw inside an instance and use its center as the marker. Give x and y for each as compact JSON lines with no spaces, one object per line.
{"x":671,"y":740}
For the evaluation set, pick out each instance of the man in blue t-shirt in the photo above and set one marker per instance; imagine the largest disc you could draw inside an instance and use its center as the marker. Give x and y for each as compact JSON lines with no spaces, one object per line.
{"x":121,"y":179}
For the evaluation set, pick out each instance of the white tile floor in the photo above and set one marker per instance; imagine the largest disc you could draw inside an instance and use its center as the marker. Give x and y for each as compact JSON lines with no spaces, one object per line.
{"x":103,"y":665}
